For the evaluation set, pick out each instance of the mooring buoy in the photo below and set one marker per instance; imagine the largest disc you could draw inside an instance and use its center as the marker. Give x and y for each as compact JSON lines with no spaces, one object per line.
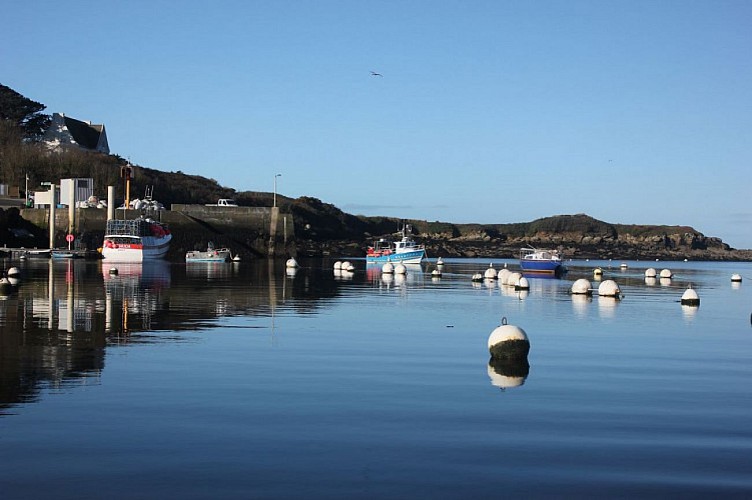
{"x":582,"y":287}
{"x":508,"y":342}
{"x":690,"y":297}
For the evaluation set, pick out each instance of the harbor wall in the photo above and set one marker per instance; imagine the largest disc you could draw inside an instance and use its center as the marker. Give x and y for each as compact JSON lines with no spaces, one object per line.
{"x":247,"y":231}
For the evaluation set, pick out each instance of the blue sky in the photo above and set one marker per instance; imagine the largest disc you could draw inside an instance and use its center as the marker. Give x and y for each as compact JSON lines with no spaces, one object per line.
{"x":487,"y":111}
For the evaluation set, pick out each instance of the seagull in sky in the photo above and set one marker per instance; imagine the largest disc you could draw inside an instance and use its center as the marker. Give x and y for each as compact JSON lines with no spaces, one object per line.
{"x":373,"y":73}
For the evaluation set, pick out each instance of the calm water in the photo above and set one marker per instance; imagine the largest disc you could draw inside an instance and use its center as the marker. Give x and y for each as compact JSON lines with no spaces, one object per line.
{"x":238,"y":381}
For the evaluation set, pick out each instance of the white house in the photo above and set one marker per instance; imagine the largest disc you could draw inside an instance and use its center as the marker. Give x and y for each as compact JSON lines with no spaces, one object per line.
{"x":69,"y":132}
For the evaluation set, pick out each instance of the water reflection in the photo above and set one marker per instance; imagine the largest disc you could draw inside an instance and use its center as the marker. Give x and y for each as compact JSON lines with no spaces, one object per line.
{"x":55,"y":326}
{"x":505,"y":373}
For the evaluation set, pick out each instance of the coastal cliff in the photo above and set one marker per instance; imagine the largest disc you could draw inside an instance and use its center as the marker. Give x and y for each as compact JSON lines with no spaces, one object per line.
{"x":576,"y":236}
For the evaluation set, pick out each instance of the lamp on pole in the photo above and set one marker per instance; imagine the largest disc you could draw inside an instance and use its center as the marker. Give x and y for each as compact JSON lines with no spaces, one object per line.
{"x":275,"y":188}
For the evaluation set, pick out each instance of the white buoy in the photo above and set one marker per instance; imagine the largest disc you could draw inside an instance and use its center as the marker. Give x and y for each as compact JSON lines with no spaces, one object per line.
{"x":338,"y":265}
{"x":735,"y":278}
{"x":666,"y":273}
{"x":609,"y":288}
{"x":344,"y":265}
{"x":477,"y":277}
{"x":400,"y":269}
{"x":623,"y":265}
{"x":291,"y":271}
{"x":387,"y":268}
{"x":513,"y":278}
{"x":436,"y":273}
{"x":236,"y":258}
{"x":503,"y":276}
{"x":690,"y":297}
{"x":582,"y":287}
{"x":439,"y":262}
{"x":490,"y":273}
{"x":349,"y":267}
{"x":114,"y":271}
{"x":650,"y":273}
{"x":291,"y":263}
{"x":14,"y":271}
{"x":508,"y":342}
{"x":597,"y":271}
{"x":522,"y":284}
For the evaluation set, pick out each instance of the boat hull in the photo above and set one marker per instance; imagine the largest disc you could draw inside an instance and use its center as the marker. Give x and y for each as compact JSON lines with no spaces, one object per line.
{"x":411,"y":257}
{"x":541,"y":267}
{"x":209,"y":256}
{"x":150,"y":248}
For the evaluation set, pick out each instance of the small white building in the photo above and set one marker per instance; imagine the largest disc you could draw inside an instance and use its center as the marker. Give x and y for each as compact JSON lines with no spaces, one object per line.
{"x":82,"y":188}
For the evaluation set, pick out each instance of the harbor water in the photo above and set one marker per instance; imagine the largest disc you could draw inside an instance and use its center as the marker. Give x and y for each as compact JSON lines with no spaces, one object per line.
{"x":249,"y":380}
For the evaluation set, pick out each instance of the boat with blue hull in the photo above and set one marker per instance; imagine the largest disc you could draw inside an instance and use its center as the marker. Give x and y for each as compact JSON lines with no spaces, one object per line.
{"x":541,"y":261}
{"x":405,"y":250}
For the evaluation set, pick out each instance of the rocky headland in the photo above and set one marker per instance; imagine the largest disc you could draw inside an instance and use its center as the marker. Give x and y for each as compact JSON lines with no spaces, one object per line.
{"x":576,"y":236}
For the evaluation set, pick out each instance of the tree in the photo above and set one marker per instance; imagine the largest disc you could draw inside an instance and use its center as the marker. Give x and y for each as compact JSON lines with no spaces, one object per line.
{"x":23,"y":113}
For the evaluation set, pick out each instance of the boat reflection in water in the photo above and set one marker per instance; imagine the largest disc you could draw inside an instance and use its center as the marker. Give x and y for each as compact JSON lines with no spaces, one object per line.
{"x":133,"y":288}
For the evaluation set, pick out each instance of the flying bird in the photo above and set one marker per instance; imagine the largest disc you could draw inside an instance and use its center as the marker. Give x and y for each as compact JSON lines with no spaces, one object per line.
{"x":373,"y":73}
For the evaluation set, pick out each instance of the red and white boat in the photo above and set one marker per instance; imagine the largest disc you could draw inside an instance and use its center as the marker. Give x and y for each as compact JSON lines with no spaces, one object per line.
{"x":136,"y":240}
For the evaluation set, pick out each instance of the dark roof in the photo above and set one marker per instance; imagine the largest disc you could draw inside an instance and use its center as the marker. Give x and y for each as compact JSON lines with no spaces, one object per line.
{"x":85,"y":134}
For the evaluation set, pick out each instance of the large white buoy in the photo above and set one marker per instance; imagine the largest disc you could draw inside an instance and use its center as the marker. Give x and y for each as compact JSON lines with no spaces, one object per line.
{"x":477,"y":277}
{"x":503,"y":276}
{"x":490,"y":273}
{"x":522,"y":284}
{"x":236,"y":258}
{"x":513,"y":278}
{"x":508,"y":342}
{"x":400,"y":269}
{"x":114,"y":271}
{"x":623,"y":265}
{"x":344,"y":265}
{"x":609,"y":288}
{"x":439,"y":262}
{"x":582,"y":287}
{"x":597,"y":271}
{"x":735,"y":278}
{"x":666,"y":273}
{"x":650,"y":273}
{"x":387,"y":268}
{"x":349,"y":267}
{"x":291,"y":263}
{"x":436,"y":273}
{"x":690,"y":297}
{"x":338,"y":265}
{"x":14,"y":271}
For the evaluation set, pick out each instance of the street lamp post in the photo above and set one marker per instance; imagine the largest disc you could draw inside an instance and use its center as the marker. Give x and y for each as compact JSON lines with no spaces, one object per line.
{"x":275,"y":188}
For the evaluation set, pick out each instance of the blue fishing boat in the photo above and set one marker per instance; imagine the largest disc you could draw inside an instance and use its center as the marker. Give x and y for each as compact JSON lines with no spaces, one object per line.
{"x":405,"y":250}
{"x":535,"y":260}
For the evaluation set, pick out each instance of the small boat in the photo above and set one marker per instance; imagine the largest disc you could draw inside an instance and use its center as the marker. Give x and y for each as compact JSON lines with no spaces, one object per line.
{"x":405,"y":250}
{"x":210,"y":255}
{"x":535,"y":260}
{"x":62,"y":254}
{"x":136,"y":240}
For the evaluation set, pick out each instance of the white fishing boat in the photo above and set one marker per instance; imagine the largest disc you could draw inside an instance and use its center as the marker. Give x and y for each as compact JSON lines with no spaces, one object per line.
{"x":210,"y":255}
{"x":136,"y":240}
